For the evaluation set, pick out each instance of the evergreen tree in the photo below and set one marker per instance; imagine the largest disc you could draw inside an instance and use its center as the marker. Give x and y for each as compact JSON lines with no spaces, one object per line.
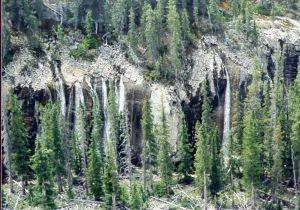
{"x":43,"y":171}
{"x":89,"y":29}
{"x":110,"y":179}
{"x":277,"y":150}
{"x":187,"y":36}
{"x":95,"y":156}
{"x":149,"y":144}
{"x":196,"y":11}
{"x":136,"y":199}
{"x":252,"y":137}
{"x":175,"y":46}
{"x":113,"y":114}
{"x":294,"y":104}
{"x":119,"y":17}
{"x":216,"y":168}
{"x":122,"y":145}
{"x":75,"y":154}
{"x":184,"y":150}
{"x":203,"y":146}
{"x":165,"y":164}
{"x":19,"y":143}
{"x":132,"y":30}
{"x":151,"y":38}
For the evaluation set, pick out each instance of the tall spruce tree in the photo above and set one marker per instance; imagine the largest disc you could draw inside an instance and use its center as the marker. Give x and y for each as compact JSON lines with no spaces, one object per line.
{"x":149,"y":145}
{"x":151,"y":31}
{"x":132,"y":37}
{"x":20,"y":153}
{"x":252,"y":136}
{"x":175,"y":45}
{"x":184,"y":151}
{"x":187,"y":35}
{"x":216,"y":166}
{"x":165,"y":164}
{"x":110,"y":178}
{"x":96,"y":156}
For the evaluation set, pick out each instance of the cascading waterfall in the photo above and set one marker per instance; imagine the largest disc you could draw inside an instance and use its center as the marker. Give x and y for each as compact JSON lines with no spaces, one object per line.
{"x":227,"y":105}
{"x":61,"y":91}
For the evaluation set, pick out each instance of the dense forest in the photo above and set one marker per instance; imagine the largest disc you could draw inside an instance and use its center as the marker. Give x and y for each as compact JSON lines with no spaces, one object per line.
{"x":251,"y":162}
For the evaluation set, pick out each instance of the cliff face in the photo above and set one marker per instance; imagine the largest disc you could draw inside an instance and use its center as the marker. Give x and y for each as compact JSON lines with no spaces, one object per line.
{"x":39,"y":80}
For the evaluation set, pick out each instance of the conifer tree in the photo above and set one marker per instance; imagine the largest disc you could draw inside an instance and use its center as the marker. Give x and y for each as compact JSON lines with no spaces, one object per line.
{"x":165,"y":164}
{"x":149,"y":144}
{"x":196,"y":11}
{"x":75,"y":154}
{"x":252,"y":136}
{"x":19,"y":143}
{"x":216,"y":167}
{"x":122,"y":145}
{"x":294,"y":104}
{"x":89,"y":24}
{"x":184,"y":150}
{"x":132,"y":30}
{"x":187,"y":35}
{"x":151,"y":31}
{"x":136,"y":200}
{"x":113,"y":114}
{"x":119,"y":17}
{"x":110,"y":179}
{"x":43,"y":171}
{"x":175,"y":46}
{"x":59,"y":158}
{"x":203,"y":145}
{"x":95,"y":156}
{"x":277,"y":150}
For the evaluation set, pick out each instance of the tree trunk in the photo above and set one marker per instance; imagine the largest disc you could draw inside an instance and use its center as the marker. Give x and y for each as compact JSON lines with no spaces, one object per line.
{"x":253,"y":197}
{"x":114,"y":202}
{"x":59,"y":183}
{"x":23,"y":186}
{"x":144,"y":165}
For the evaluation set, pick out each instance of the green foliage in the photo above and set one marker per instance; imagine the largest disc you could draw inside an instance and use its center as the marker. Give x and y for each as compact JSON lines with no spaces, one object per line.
{"x":19,"y":143}
{"x":75,"y":154}
{"x":165,"y":164}
{"x":95,"y":156}
{"x":136,"y":199}
{"x":59,"y":33}
{"x":252,"y":137}
{"x":187,"y":36}
{"x":119,"y":17}
{"x":132,"y":37}
{"x":113,"y":114}
{"x":110,"y":178}
{"x":175,"y":46}
{"x":123,"y":195}
{"x":184,"y":150}
{"x":149,"y":142}
{"x":122,"y":145}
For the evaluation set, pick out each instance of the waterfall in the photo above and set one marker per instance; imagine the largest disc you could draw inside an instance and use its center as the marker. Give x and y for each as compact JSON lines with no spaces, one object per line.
{"x":61,"y":91}
{"x":121,"y":95}
{"x":227,"y":105}
{"x":105,"y":110}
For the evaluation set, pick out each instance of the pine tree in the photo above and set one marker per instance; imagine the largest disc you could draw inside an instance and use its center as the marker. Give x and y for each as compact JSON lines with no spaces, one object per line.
{"x":43,"y":170}
{"x":95,"y":156}
{"x":216,"y":167}
{"x":122,"y":145}
{"x":294,"y":104}
{"x":119,"y":17}
{"x":19,"y":143}
{"x":136,"y":199}
{"x":184,"y":151}
{"x":151,"y":31}
{"x":76,"y":158}
{"x":89,"y":29}
{"x":187,"y":36}
{"x":110,"y":179}
{"x":203,"y":146}
{"x":175,"y":46}
{"x":132,"y":30}
{"x":113,"y":114}
{"x":149,"y":144}
{"x":277,"y":150}
{"x":252,"y":137}
{"x":196,"y":11}
{"x":165,"y":164}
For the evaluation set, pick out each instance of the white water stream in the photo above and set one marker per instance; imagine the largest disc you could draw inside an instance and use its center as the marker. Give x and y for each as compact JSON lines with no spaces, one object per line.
{"x":227,"y":105}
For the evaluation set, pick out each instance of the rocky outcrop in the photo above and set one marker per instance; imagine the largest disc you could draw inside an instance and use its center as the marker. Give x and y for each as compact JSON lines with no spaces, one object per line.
{"x":37,"y":81}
